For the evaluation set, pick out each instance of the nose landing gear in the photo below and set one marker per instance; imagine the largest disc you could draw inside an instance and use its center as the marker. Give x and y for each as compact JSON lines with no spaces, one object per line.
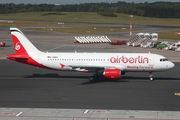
{"x":151,"y":76}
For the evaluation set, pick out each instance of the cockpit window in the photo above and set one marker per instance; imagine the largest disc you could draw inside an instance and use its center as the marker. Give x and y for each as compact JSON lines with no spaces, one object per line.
{"x":163,"y":59}
{"x":166,"y":59}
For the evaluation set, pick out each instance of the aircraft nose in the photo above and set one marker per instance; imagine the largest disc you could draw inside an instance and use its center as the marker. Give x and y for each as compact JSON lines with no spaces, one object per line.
{"x":171,"y":65}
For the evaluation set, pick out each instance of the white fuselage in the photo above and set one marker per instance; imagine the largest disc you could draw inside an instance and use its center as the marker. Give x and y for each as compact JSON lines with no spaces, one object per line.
{"x":124,"y":61}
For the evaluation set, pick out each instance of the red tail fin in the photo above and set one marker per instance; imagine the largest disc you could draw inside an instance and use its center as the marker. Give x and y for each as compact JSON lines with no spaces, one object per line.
{"x":26,"y":52}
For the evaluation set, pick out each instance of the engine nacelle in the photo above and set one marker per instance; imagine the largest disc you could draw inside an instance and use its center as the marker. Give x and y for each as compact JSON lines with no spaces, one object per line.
{"x":112,"y":73}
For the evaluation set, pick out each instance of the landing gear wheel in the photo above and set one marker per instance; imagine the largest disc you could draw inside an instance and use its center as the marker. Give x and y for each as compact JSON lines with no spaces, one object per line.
{"x":94,"y":77}
{"x":91,"y":78}
{"x":151,"y":79}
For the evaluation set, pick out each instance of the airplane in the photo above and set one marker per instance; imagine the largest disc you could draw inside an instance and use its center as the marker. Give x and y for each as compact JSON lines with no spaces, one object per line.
{"x":108,"y":65}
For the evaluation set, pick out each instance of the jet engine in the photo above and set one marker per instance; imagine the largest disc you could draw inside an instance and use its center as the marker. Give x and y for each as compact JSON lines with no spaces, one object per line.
{"x":112,"y":73}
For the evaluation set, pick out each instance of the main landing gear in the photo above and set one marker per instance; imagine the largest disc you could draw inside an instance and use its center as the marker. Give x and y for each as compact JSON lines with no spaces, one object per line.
{"x":96,"y":74}
{"x":151,"y":76}
{"x":92,"y":78}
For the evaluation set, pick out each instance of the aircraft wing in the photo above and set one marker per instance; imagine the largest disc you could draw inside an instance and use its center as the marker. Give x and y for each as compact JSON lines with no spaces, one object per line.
{"x":91,"y":68}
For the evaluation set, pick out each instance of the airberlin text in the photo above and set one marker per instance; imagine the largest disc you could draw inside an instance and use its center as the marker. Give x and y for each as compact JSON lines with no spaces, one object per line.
{"x":132,"y":60}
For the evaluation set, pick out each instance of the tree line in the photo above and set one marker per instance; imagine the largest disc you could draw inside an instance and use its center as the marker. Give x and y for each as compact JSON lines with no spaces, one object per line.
{"x":156,"y":9}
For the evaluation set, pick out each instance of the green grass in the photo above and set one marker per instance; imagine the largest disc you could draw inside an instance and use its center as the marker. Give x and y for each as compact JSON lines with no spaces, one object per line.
{"x":86,"y":30}
{"x":89,"y":19}
{"x":170,"y":35}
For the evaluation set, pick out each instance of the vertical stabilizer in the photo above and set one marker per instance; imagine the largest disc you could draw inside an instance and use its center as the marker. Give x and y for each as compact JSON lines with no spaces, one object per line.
{"x":21,"y":42}
{"x":26,"y":52}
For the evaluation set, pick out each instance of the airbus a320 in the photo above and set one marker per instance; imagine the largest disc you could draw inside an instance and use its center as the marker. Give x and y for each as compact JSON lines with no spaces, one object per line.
{"x":109,"y":65}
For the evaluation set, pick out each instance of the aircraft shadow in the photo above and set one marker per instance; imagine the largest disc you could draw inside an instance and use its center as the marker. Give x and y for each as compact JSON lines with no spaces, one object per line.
{"x":53,"y":75}
{"x":100,"y":79}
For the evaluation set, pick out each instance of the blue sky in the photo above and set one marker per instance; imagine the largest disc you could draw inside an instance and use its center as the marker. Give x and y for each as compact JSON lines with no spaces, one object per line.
{"x":76,"y":1}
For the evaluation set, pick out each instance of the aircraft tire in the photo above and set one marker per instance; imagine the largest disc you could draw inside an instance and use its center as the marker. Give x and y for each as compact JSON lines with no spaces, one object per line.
{"x":91,"y":78}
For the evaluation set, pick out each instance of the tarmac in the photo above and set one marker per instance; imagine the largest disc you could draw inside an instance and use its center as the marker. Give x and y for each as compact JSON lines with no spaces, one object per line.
{"x":30,"y":93}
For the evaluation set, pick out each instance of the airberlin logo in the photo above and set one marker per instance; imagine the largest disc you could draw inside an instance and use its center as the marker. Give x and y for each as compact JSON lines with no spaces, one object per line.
{"x":17,"y":46}
{"x":124,"y":59}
